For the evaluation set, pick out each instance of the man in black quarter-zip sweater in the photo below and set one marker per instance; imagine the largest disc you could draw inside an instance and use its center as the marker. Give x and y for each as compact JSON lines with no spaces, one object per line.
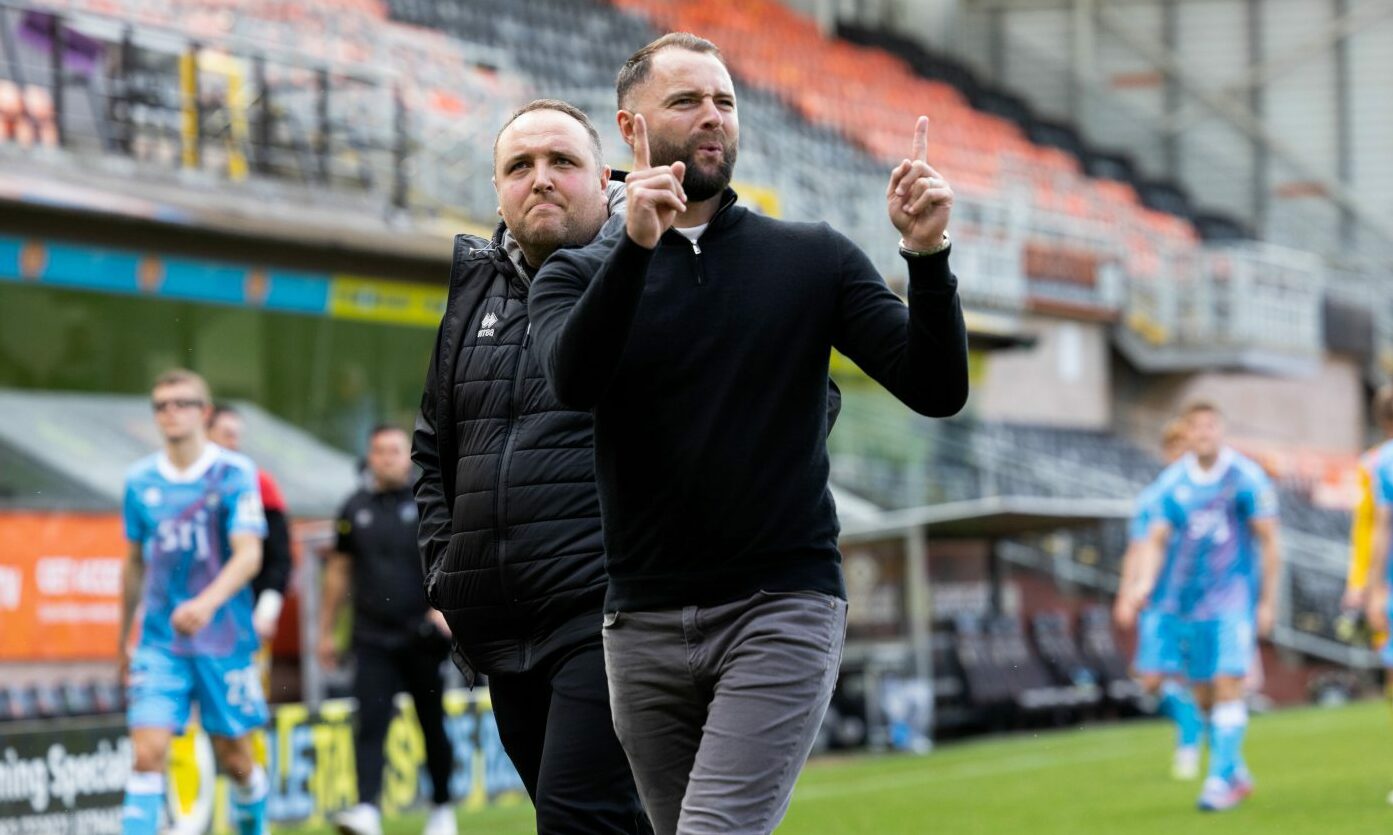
{"x":699,"y":333}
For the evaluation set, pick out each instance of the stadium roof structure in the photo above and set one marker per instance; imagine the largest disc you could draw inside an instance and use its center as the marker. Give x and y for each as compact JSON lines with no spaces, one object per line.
{"x":991,"y":516}
{"x":71,"y":451}
{"x":1163,"y":359}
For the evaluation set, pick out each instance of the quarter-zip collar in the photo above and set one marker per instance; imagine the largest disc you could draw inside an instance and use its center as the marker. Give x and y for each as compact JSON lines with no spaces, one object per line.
{"x":726,"y":216}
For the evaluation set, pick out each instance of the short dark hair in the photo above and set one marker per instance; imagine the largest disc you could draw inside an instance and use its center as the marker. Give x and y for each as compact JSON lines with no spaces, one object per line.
{"x":385,"y":427}
{"x":1197,"y":406}
{"x":220,"y":409}
{"x":635,"y":70}
{"x":560,"y":107}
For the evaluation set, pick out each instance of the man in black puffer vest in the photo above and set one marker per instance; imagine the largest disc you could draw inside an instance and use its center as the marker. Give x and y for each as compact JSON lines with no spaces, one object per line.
{"x":510,"y":517}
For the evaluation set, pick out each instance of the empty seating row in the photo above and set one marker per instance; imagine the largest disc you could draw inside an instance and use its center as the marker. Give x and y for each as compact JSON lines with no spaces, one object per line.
{"x":1008,"y":675}
{"x":54,"y":700}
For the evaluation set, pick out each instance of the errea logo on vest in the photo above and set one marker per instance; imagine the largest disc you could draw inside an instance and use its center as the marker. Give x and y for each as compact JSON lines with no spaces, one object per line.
{"x":486,"y":326}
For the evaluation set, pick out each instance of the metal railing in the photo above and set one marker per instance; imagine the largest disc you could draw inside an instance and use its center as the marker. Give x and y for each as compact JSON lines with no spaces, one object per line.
{"x":230,"y":109}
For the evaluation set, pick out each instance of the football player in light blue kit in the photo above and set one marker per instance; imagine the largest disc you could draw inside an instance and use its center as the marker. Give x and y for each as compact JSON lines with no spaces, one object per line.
{"x":194,"y":520}
{"x":1157,"y":664}
{"x":1223,"y":510}
{"x":1378,"y":609}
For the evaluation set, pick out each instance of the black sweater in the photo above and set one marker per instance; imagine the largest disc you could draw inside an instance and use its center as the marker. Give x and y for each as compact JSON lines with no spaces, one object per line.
{"x":706,"y":368}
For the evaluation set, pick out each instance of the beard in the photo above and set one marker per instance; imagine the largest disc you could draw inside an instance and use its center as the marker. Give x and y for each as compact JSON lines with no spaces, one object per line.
{"x":700,"y":184}
{"x":576,"y":227}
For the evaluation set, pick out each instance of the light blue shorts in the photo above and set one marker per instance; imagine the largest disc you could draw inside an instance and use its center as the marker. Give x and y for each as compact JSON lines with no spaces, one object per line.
{"x":1219,"y":647}
{"x":163,"y":687}
{"x":1158,"y":651}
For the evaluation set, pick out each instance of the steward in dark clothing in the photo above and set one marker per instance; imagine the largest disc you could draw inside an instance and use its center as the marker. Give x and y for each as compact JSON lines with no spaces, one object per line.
{"x":395,"y":644}
{"x":375,"y":531}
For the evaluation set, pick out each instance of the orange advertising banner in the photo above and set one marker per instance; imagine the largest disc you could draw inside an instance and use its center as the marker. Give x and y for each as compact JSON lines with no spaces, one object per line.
{"x":60,"y":586}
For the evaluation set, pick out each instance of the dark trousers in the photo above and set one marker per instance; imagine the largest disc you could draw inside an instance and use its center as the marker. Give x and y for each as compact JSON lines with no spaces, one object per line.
{"x":556,"y":726}
{"x":381,"y":675}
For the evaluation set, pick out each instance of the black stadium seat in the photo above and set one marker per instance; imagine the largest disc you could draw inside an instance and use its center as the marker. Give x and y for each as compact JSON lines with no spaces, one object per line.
{"x":79,"y":698}
{"x":1061,"y":654}
{"x":21,"y":701}
{"x":108,"y":696}
{"x":1033,"y":690}
{"x":48,"y":700}
{"x":1099,"y":651}
{"x":987,"y":685}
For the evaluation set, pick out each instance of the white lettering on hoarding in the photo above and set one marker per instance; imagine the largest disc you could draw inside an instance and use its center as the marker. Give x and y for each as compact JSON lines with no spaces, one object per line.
{"x":11,"y":587}
{"x":60,"y":576}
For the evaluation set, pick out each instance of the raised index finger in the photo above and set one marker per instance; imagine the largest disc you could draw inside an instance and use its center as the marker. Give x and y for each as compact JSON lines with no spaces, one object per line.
{"x":640,"y":143}
{"x":920,"y":149}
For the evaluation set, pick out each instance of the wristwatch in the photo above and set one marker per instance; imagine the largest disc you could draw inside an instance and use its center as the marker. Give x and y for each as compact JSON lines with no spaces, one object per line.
{"x":918,"y":253}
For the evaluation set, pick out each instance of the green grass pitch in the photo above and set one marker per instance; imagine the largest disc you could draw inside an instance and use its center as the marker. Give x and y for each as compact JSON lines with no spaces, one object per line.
{"x":1318,"y":771}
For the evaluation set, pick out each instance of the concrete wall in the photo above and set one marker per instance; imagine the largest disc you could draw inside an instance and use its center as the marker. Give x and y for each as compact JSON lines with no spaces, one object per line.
{"x":1064,"y":379}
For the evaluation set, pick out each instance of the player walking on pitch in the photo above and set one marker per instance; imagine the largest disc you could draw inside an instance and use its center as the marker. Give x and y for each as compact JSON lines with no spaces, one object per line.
{"x":194,"y":521}
{"x":1223,"y":510}
{"x":1158,"y":665}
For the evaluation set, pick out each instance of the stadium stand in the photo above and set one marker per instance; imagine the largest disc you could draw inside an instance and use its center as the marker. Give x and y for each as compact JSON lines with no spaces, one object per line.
{"x":952,"y":708}
{"x":1033,"y":689}
{"x":813,"y":171}
{"x":19,"y":702}
{"x":972,"y":458}
{"x":865,"y":93}
{"x":986,"y":686}
{"x":990,"y":674}
{"x":49,"y":702}
{"x":50,"y":697}
{"x":26,"y":115}
{"x":311,"y":93}
{"x":79,"y":698}
{"x":1056,"y":646}
{"x":399,"y":99}
{"x":108,"y":696}
{"x":1099,"y":164}
{"x":1101,"y":653}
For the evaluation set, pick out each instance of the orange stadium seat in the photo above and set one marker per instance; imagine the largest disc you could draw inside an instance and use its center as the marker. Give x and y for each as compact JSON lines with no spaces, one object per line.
{"x":11,"y":109}
{"x":38,"y":104}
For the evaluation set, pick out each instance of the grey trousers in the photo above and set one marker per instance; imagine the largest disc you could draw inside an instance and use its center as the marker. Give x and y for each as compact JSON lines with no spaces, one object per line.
{"x":717,"y":707}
